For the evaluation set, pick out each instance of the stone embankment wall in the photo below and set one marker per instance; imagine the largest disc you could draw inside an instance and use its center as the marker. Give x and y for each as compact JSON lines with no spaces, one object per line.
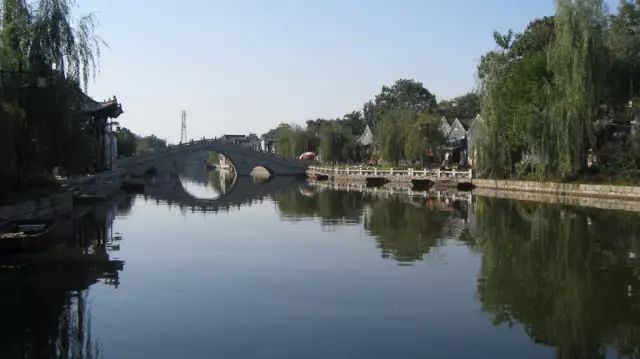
{"x":53,"y":206}
{"x":102,"y":185}
{"x":626,"y":198}
{"x":567,"y":189}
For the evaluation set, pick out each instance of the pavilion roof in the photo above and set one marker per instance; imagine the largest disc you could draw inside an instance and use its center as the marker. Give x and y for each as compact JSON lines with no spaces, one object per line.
{"x":101,"y":110}
{"x":367,"y":138}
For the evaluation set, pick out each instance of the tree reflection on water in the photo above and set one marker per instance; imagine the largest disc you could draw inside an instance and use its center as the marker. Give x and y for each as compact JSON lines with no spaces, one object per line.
{"x":570,"y":276}
{"x":44,"y":306}
{"x":404,"y":228}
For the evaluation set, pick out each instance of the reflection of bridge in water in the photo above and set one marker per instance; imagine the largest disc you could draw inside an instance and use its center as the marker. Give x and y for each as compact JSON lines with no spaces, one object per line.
{"x":243,"y":191}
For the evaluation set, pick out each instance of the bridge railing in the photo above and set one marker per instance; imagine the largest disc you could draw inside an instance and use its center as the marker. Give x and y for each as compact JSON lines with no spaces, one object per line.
{"x":387,"y":172}
{"x":193,"y":143}
{"x":222,"y":145}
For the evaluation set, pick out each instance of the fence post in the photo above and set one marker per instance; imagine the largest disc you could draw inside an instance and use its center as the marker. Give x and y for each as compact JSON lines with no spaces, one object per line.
{"x":391,"y":172}
{"x":470,"y":173}
{"x":375,"y":171}
{"x":348,"y":170}
{"x":453,"y":173}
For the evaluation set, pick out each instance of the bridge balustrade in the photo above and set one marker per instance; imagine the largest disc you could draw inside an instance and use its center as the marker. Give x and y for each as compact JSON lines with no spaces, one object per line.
{"x":411,"y":172}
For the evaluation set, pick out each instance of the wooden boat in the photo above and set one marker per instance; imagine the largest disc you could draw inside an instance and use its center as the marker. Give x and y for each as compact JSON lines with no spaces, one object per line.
{"x":27,"y":235}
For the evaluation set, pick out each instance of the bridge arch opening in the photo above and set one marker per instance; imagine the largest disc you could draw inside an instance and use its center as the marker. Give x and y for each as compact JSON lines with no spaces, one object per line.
{"x":261,"y":171}
{"x":199,"y":190}
{"x":201,"y":182}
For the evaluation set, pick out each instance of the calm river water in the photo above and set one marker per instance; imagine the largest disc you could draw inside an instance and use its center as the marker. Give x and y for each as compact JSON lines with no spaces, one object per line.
{"x":215,"y":269}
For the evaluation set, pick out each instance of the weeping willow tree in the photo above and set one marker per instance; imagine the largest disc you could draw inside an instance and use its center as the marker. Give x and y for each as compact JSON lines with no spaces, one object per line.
{"x":514,"y":102}
{"x":43,"y":35}
{"x":578,"y":59}
{"x":499,"y":146}
{"x":336,"y":143}
{"x":47,"y":55}
{"x":541,"y":92}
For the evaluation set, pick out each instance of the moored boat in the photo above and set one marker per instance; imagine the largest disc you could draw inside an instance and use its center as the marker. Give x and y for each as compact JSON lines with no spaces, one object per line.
{"x":28,"y":235}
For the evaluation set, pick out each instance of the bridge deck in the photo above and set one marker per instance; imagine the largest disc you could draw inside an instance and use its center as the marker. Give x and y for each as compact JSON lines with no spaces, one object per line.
{"x":244,"y":159}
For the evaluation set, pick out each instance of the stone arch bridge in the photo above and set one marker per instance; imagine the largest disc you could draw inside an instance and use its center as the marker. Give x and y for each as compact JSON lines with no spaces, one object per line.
{"x":173,"y":159}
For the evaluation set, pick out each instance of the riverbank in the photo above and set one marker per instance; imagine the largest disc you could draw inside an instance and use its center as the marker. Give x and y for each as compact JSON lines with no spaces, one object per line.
{"x":372,"y":176}
{"x":51,"y":206}
{"x":414,"y":178}
{"x":561,"y":189}
{"x":98,"y":187}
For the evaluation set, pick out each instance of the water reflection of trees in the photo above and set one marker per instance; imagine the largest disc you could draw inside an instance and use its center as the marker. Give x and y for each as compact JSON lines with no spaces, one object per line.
{"x":570,"y":276}
{"x":404,"y":229}
{"x":44,"y":303}
{"x":331,"y":207}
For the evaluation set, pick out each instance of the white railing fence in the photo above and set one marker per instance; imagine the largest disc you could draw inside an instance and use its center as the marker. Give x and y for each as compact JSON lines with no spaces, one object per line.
{"x":391,"y":172}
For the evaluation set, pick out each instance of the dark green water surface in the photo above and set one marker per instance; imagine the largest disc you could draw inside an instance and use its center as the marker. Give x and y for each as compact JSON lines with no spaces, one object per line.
{"x":221,"y":268}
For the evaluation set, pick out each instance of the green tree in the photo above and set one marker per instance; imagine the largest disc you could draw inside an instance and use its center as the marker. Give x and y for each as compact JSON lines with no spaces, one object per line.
{"x":392,"y":131}
{"x":46,"y":55}
{"x":336,"y":143}
{"x":292,"y":140}
{"x":515,"y":100}
{"x":148,"y":144}
{"x":355,"y":122}
{"x":461,"y":107}
{"x":578,"y":60}
{"x":127,"y":142}
{"x":404,"y":93}
{"x":625,"y":52}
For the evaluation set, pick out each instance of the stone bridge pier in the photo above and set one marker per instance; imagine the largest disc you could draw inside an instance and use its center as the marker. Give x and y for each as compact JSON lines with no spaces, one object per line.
{"x":173,"y":159}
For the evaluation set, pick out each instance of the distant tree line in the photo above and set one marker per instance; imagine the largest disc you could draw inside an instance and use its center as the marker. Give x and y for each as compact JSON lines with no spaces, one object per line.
{"x":404,"y":118}
{"x":130,"y":144}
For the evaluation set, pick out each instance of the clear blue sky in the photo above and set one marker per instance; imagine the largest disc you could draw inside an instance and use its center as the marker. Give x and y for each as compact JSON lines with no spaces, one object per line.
{"x":245,"y":66}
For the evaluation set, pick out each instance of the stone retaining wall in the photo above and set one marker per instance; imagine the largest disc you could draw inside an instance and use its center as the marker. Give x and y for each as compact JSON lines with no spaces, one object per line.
{"x":565,"y":189}
{"x":102,"y":185}
{"x":592,"y":202}
{"x":44,"y":208}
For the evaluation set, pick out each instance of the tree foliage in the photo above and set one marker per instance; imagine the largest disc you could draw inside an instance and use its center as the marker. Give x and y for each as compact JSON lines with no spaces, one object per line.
{"x":578,"y":60}
{"x":461,"y":107}
{"x":127,"y":142}
{"x":336,"y":143}
{"x":47,"y":55}
{"x":292,"y":140}
{"x":407,"y":136}
{"x":542,"y":94}
{"x":150,"y":143}
{"x":404,"y":93}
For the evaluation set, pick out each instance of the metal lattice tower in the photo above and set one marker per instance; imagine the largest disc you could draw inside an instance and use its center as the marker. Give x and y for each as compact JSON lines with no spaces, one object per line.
{"x":183,"y":127}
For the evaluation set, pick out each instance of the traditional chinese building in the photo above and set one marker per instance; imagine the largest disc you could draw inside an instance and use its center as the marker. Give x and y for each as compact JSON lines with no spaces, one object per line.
{"x":460,"y":136}
{"x":101,"y":116}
